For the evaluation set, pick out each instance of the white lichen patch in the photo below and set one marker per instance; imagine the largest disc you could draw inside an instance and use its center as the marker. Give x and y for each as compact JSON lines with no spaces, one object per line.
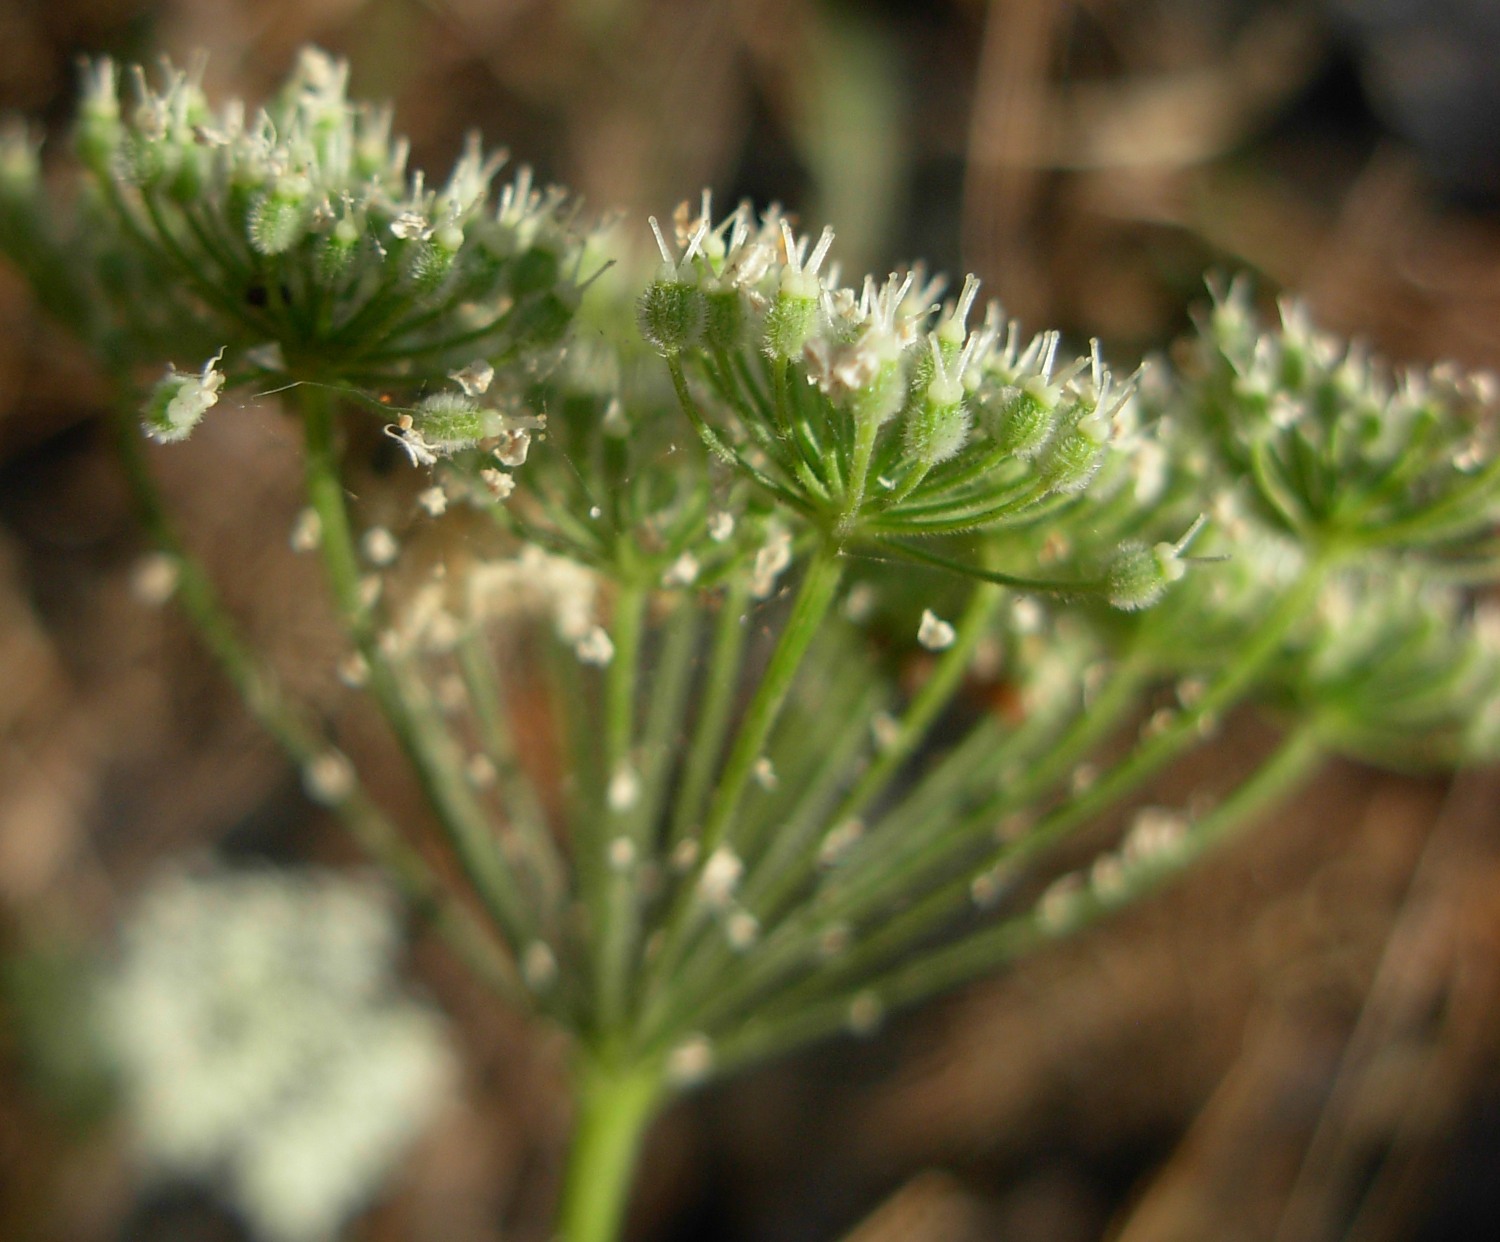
{"x":624,"y":787}
{"x":763,"y":772}
{"x":682,"y":572}
{"x":771,"y":560}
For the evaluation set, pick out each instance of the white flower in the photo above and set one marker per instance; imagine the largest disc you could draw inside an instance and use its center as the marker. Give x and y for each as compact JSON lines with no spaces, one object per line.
{"x":934,"y":633}
{"x":178,"y":402}
{"x":262,"y":1043}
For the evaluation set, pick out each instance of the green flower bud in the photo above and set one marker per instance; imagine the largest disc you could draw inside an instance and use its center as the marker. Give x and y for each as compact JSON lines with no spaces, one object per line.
{"x":936,"y":432}
{"x":1072,"y":458}
{"x":883,"y":397}
{"x":670,"y":315}
{"x":450,"y":422}
{"x":533,"y":270}
{"x":97,"y":139}
{"x":178,"y":402}
{"x":545,"y":319}
{"x":278,"y":215}
{"x":1020,"y":419}
{"x":1137,"y":574}
{"x":725,"y":319}
{"x":146,"y":160}
{"x":191,"y":174}
{"x":954,"y":329}
{"x":336,"y":250}
{"x":789,"y":324}
{"x":428,"y":264}
{"x":939,"y":424}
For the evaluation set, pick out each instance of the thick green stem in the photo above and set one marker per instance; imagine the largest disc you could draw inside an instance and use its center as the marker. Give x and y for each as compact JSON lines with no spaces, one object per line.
{"x":614,"y":1108}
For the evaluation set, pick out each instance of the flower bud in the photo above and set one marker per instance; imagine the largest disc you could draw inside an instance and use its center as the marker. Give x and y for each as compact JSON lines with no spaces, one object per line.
{"x":725,"y":318}
{"x":542,"y":320}
{"x":178,"y":402}
{"x":954,"y":328}
{"x":191,"y":173}
{"x":533,"y":270}
{"x":1072,"y":458}
{"x":938,"y":425}
{"x":882,"y":397}
{"x":1020,"y":419}
{"x":789,"y":322}
{"x":336,"y":250}
{"x":1138,"y":574}
{"x":450,"y":422}
{"x":99,"y":130}
{"x":145,"y":158}
{"x":670,"y":314}
{"x":428,"y":263}
{"x":278,"y":215}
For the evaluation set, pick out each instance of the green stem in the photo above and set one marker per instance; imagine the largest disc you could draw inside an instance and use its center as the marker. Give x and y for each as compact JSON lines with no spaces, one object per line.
{"x":900,"y":854}
{"x":720,"y":684}
{"x":922,"y":916}
{"x":620,"y":917}
{"x":808,"y":612}
{"x":911,"y":841}
{"x":716,"y":445}
{"x":421,"y":732}
{"x":910,"y":552}
{"x":523,"y":805}
{"x":776,"y":1030}
{"x":814,"y":599}
{"x":614,"y":1108}
{"x":303,"y":742}
{"x":865,"y":433}
{"x":769,"y":884}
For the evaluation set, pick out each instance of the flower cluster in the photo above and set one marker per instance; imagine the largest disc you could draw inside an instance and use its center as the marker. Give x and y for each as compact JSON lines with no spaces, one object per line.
{"x":1339,"y":449}
{"x":263,"y":1044}
{"x":293,"y":238}
{"x":833,"y":677}
{"x":875,"y":412}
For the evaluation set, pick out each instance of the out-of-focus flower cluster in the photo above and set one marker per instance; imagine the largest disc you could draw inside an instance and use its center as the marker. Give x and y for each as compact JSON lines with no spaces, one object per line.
{"x":1337,"y":448}
{"x":265,"y":1046}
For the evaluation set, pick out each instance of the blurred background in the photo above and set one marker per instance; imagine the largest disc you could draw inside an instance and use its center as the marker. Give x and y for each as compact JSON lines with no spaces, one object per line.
{"x":1298,"y":1045}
